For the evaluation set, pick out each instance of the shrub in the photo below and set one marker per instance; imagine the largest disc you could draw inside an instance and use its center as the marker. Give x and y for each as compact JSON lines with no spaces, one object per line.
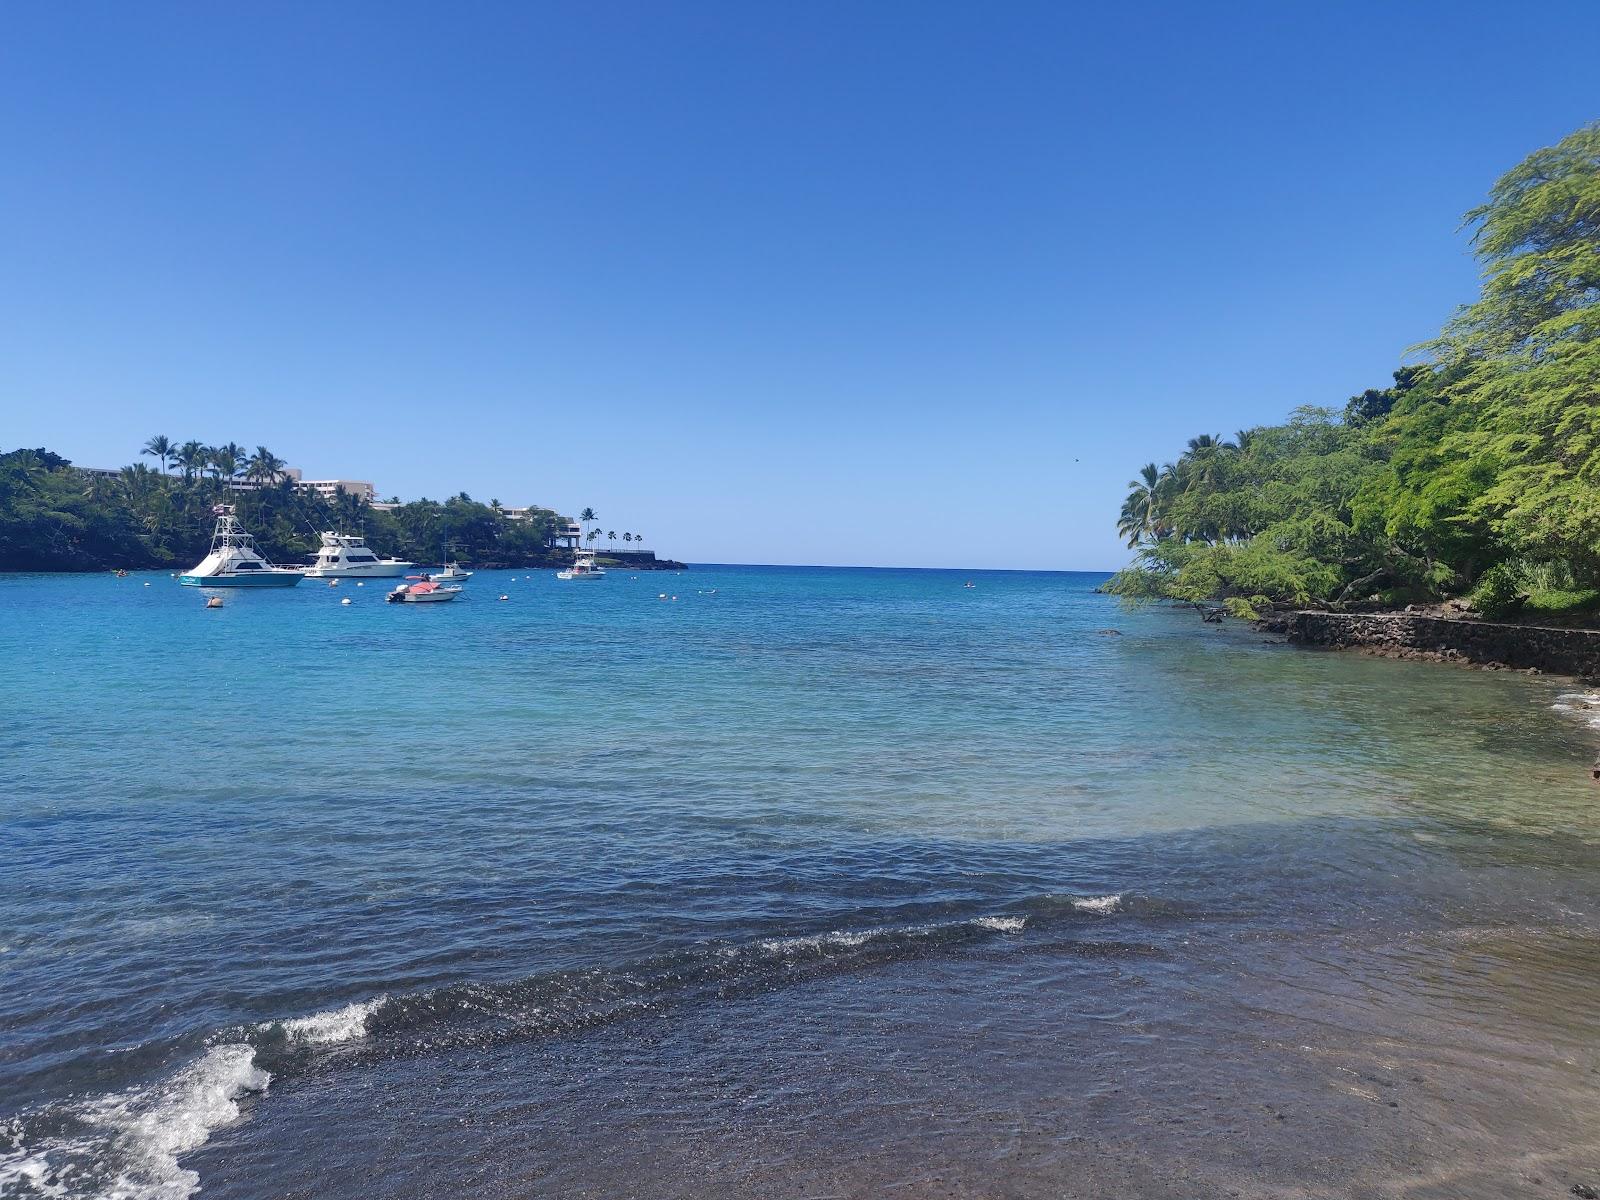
{"x":1499,"y":591}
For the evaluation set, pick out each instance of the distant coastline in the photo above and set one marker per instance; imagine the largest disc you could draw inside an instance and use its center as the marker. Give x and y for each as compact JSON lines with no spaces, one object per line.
{"x":55,"y":516}
{"x":554,"y":560}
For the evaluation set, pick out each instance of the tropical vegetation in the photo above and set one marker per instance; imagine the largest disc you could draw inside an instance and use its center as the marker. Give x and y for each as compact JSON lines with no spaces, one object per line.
{"x":1475,"y":472}
{"x":54,"y":516}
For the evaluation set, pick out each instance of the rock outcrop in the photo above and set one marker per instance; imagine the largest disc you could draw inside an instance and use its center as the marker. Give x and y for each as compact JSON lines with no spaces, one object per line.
{"x":1446,"y":639}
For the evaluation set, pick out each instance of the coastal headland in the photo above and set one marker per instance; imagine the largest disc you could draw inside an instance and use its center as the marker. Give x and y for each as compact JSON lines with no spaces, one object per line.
{"x":58,"y":516}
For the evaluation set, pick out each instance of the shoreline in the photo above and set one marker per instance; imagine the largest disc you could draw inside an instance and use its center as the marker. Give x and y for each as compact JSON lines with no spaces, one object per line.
{"x":554,"y":561}
{"x":1488,"y":645}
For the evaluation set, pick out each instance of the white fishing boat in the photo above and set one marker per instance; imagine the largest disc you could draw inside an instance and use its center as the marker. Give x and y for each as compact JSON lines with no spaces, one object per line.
{"x":451,"y":572}
{"x":346,"y":556}
{"x":421,"y":589}
{"x":234,"y":560}
{"x":583,"y":567}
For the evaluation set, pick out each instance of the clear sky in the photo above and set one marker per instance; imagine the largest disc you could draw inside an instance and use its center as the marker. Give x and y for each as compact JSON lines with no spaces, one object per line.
{"x":881,"y":283}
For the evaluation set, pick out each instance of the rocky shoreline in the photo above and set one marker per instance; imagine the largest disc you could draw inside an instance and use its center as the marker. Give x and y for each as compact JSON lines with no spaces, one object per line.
{"x":1434,"y":637}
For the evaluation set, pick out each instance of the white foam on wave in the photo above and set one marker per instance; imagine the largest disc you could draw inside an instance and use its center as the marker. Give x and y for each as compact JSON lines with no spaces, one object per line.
{"x":848,"y":938}
{"x":1002,"y":924}
{"x":1583,"y":705}
{"x":329,"y":1028}
{"x":818,"y":941}
{"x":126,"y":1145}
{"x":1104,"y":905}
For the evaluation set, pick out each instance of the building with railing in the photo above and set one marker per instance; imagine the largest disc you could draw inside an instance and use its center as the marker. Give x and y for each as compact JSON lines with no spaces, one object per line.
{"x":241,"y":484}
{"x":329,"y":488}
{"x":569,"y":533}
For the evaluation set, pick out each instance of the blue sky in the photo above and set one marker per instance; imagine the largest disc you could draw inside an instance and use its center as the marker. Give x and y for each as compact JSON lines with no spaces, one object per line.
{"x":900,"y":284}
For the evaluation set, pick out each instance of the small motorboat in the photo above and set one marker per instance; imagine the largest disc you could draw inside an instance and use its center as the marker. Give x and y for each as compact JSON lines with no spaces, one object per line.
{"x":422,"y":589}
{"x":452,"y":572}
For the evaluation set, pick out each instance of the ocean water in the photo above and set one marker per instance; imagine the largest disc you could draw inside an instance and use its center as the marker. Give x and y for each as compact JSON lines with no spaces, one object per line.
{"x":778,"y":882}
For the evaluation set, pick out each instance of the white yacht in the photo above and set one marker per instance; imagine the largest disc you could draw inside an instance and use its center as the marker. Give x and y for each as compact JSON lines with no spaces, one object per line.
{"x":234,"y":560}
{"x":583,"y":567}
{"x":345,"y":556}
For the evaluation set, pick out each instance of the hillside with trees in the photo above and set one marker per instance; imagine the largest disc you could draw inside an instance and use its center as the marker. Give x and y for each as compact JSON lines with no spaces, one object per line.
{"x":1476,"y":472}
{"x":54,"y":517}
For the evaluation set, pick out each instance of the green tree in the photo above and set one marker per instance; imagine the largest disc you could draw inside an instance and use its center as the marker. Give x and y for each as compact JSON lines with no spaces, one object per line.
{"x":1140,"y":519}
{"x":159,"y":447}
{"x":264,"y":467}
{"x":1486,"y":455}
{"x":191,"y":459}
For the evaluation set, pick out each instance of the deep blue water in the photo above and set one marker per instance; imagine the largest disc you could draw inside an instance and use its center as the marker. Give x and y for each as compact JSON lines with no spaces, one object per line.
{"x":776,"y":881}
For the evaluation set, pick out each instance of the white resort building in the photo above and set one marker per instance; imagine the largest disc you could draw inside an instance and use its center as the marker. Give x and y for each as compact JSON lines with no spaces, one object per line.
{"x":326,"y":488}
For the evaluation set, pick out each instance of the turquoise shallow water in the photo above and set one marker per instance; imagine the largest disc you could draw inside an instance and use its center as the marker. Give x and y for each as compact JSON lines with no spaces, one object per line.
{"x":793,"y":882}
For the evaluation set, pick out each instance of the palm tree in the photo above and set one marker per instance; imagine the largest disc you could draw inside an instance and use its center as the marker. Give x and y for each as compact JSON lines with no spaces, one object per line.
{"x":1140,"y":511}
{"x":611,"y":536}
{"x":593,"y":533}
{"x":264,"y":466}
{"x":1243,"y":438}
{"x":627,"y":537}
{"x":349,"y":510}
{"x":1207,"y":443}
{"x":140,"y":483}
{"x":224,"y":460}
{"x":160,"y":447}
{"x":98,"y":488}
{"x":191,"y":459}
{"x":1203,"y":458}
{"x":19,"y":474}
{"x":586,"y":516}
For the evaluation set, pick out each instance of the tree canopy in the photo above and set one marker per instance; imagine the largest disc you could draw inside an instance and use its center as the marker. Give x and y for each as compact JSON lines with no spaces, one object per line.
{"x":1483,"y":457}
{"x":55,"y":517}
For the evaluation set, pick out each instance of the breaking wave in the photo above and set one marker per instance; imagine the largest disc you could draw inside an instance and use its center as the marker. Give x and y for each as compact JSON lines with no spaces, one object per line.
{"x":128,"y":1145}
{"x":327,"y":1028}
{"x":1104,"y":905}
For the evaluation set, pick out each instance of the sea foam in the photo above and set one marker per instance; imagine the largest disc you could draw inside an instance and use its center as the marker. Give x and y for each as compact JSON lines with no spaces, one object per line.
{"x":1002,"y":924}
{"x":329,"y":1028}
{"x":1103,"y":905}
{"x":126,"y":1146}
{"x":1583,"y":705}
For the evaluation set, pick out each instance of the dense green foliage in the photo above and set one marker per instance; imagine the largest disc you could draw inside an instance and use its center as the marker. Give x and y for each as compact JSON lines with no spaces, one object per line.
{"x":1479,"y":468}
{"x":54,"y":517}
